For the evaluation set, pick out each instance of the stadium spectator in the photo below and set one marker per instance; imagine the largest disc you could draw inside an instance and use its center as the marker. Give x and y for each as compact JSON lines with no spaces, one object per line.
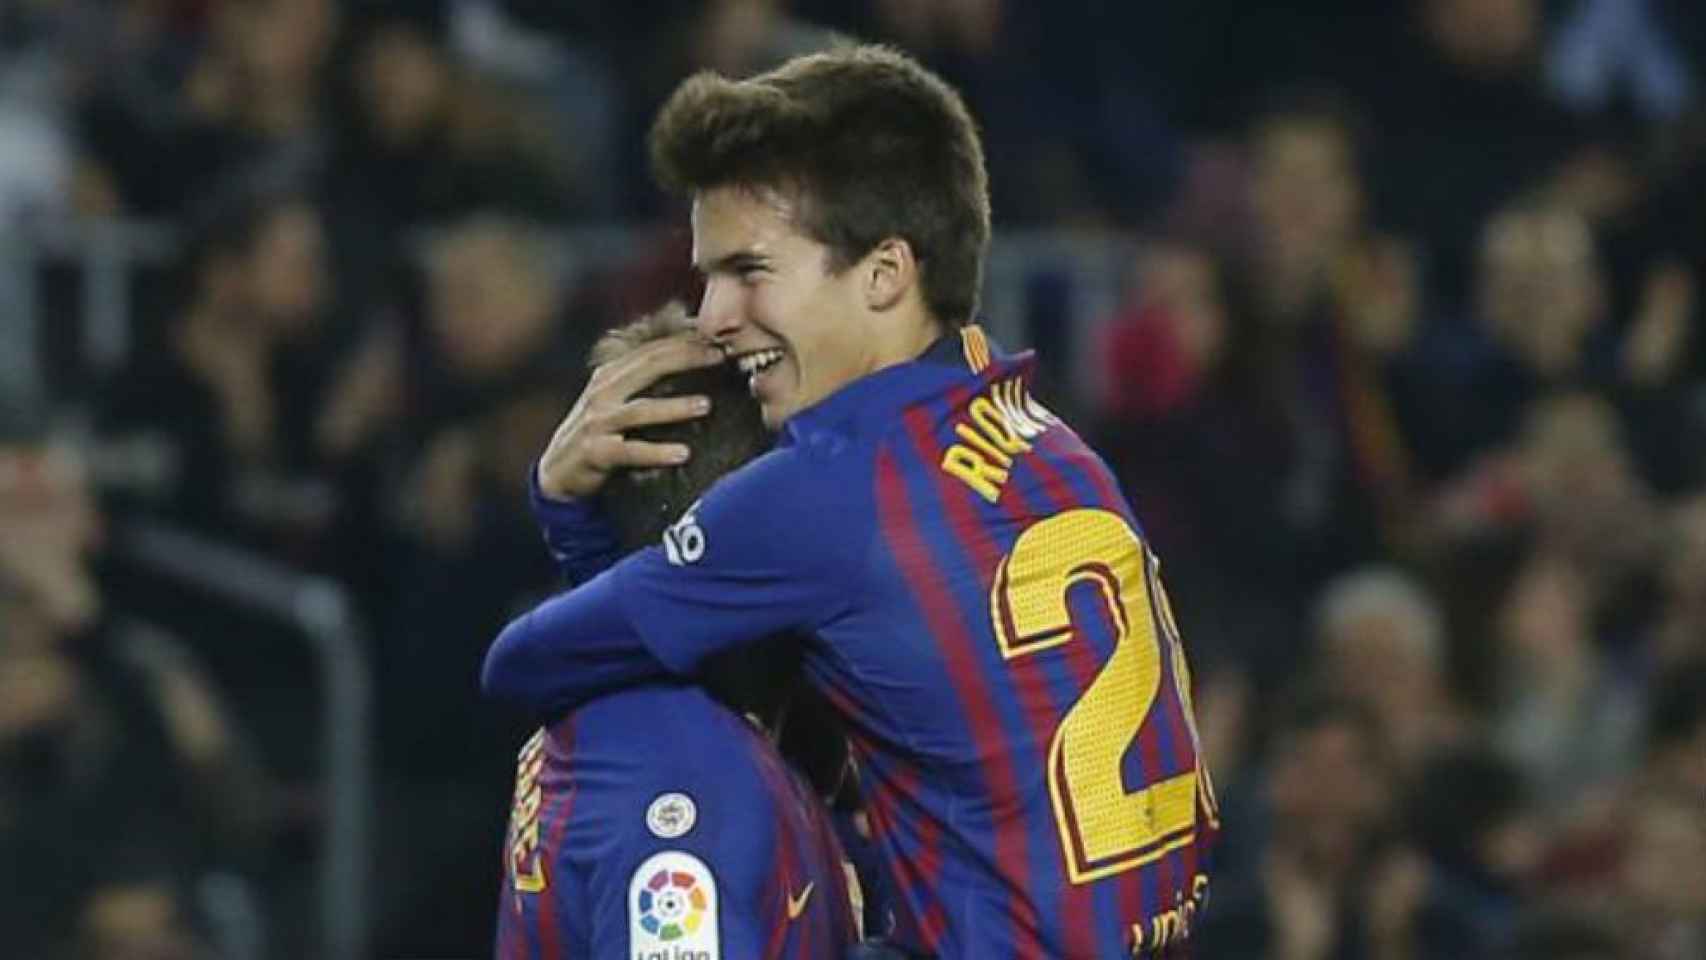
{"x":1589,"y":502}
{"x":478,"y":378}
{"x":1302,"y":414}
{"x":1475,"y":818}
{"x":1676,"y":731}
{"x":1556,"y":933}
{"x":122,"y":781}
{"x":1160,"y":352}
{"x":1680,"y":633}
{"x":228,"y":395}
{"x":1663,"y":904}
{"x":1569,"y":716}
{"x":1468,"y":123}
{"x":1381,"y":642}
{"x":192,"y":99}
{"x":1319,"y":871}
{"x":1540,"y":299}
{"x":427,"y":140}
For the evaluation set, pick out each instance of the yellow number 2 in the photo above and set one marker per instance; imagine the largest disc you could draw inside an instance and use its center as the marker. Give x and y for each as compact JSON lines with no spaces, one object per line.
{"x":1104,"y":830}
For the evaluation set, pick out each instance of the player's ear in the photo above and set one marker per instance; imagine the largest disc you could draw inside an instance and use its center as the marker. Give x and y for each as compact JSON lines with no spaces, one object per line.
{"x":888,"y":272}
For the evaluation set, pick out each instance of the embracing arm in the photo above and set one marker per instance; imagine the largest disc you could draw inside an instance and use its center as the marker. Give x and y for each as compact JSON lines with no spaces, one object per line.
{"x":766,"y":550}
{"x":568,"y":649}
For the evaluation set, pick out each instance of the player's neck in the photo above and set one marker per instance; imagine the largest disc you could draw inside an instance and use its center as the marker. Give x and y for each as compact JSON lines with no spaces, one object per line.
{"x":903,"y":340}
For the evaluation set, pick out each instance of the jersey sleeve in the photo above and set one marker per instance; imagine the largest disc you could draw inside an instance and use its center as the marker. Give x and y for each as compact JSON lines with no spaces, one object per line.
{"x":778,"y":545}
{"x":578,"y":536}
{"x":769,"y":548}
{"x":686,"y":869}
{"x":567,"y":650}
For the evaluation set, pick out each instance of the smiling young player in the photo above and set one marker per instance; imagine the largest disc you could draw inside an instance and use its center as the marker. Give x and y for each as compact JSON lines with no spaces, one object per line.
{"x":981,"y":606}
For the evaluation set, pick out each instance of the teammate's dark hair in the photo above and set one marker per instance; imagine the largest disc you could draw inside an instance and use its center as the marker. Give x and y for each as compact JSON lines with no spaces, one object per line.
{"x":643,"y":503}
{"x":868,"y":143}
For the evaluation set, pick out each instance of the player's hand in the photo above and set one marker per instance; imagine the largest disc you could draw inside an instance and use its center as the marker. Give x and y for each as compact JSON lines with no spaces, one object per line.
{"x":590,"y":441}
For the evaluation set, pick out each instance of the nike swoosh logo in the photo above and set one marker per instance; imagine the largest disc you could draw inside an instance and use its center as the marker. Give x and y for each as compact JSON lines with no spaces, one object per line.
{"x":797,"y":905}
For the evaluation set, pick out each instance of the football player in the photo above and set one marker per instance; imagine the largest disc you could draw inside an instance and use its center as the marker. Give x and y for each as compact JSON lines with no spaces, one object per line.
{"x":656,"y":822}
{"x":977,"y":599}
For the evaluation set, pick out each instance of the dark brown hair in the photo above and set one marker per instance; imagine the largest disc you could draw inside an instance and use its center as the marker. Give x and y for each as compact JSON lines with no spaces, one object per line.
{"x":868,"y":143}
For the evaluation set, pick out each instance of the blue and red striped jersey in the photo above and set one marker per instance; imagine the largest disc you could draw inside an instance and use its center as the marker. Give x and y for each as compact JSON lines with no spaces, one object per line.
{"x":654,"y":824}
{"x":988,"y":619}
{"x":993,"y":627}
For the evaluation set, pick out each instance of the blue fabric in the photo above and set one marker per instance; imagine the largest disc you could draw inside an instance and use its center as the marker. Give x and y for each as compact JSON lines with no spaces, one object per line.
{"x":580,"y":539}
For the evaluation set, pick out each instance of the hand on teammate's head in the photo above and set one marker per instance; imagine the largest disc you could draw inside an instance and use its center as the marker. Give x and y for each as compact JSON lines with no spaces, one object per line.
{"x":598,"y":435}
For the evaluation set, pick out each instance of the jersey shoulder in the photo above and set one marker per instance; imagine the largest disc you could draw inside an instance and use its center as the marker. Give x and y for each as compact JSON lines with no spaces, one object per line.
{"x":777,"y":512}
{"x":650,"y":764}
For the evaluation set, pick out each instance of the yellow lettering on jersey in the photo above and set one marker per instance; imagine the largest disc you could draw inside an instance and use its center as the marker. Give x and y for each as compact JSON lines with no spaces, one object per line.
{"x":983,"y":445}
{"x":527,"y":871}
{"x":997,"y":426}
{"x":979,"y":474}
{"x":525,"y":861}
{"x":1003,"y":420}
{"x":1170,"y":926}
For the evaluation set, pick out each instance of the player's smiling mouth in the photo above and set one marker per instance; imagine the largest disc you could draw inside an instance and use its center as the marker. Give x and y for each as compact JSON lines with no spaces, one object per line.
{"x":756,"y":362}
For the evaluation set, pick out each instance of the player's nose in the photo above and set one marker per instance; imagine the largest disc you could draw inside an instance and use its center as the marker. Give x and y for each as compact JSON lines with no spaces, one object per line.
{"x":719,"y":316}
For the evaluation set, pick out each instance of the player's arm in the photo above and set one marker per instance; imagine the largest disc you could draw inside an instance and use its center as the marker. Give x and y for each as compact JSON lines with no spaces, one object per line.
{"x":568,"y":650}
{"x":774,"y":546}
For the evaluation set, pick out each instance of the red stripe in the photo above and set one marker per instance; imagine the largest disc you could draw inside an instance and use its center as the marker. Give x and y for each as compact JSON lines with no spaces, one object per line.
{"x":933,"y":922}
{"x":550,"y":929}
{"x":884,"y":789}
{"x":1070,"y":448}
{"x":509,"y":944}
{"x":832,"y":856}
{"x":789,"y":864}
{"x":778,"y":932}
{"x":896,"y":516}
{"x":1012,"y":855}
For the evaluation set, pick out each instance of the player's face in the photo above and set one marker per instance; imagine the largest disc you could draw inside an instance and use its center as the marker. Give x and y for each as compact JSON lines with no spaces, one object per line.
{"x":771,"y":302}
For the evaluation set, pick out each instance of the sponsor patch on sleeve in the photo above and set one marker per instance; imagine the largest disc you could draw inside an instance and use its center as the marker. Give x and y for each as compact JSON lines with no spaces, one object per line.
{"x":684,"y":541}
{"x":672,"y":909}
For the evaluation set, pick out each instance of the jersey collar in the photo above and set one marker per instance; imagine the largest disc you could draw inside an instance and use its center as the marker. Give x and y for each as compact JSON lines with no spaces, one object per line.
{"x":952,"y":359}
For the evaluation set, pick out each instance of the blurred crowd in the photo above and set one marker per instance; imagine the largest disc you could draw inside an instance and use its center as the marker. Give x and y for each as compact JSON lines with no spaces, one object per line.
{"x":1408,"y":388}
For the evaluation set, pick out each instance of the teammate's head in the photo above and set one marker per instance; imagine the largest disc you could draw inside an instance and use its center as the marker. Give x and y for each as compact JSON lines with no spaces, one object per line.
{"x":643,"y":503}
{"x":840,"y":215}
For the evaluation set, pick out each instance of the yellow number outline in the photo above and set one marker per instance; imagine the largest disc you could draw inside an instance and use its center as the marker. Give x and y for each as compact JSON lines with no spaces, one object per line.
{"x":1103,"y":829}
